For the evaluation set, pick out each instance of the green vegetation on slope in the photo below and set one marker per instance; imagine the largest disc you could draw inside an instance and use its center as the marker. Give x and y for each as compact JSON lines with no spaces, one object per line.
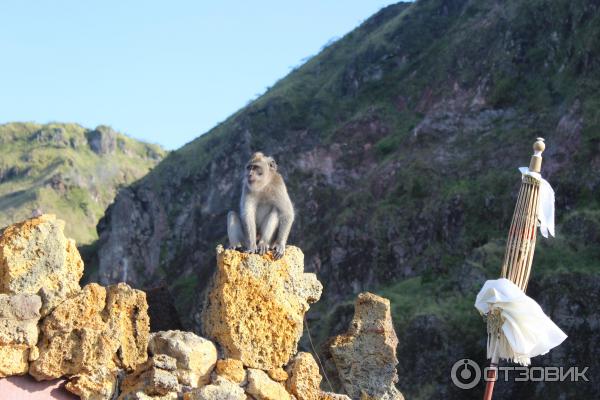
{"x":400,"y":145}
{"x":67,"y":170}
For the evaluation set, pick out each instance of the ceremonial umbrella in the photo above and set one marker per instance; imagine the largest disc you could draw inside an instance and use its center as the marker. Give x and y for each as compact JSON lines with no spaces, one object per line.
{"x":517,"y":327}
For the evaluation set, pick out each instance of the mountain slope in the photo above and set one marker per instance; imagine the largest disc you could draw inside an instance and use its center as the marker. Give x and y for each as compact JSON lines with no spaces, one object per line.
{"x":68,"y":170}
{"x":400,"y":145}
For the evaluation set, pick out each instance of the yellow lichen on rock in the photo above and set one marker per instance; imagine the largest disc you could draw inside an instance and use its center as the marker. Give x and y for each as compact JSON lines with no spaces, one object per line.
{"x":14,"y":359}
{"x":256,"y":305}
{"x":100,"y":384}
{"x":278,"y":374}
{"x":231,"y":369}
{"x":261,"y":387}
{"x":365,"y":357}
{"x":304,"y":377}
{"x":19,"y":316}
{"x":37,"y":258}
{"x":92,"y":335}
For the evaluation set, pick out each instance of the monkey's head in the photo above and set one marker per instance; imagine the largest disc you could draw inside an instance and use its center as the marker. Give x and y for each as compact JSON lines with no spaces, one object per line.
{"x":259,"y":171}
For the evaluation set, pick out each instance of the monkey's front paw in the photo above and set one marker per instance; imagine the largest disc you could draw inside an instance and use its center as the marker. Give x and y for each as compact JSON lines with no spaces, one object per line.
{"x":262,"y":248}
{"x":251,"y":249}
{"x":278,"y":251}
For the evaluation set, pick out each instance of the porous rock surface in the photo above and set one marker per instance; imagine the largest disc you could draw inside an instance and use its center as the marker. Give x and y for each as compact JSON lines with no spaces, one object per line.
{"x":365,"y":356}
{"x":19,"y":316}
{"x":98,"y":384}
{"x":221,"y":389}
{"x":231,"y":369}
{"x":196,"y":357}
{"x":335,"y":396}
{"x":261,"y":387}
{"x":255,"y":306}
{"x":304,"y":377}
{"x":91,"y":336}
{"x":156,"y":377}
{"x":37,"y":258}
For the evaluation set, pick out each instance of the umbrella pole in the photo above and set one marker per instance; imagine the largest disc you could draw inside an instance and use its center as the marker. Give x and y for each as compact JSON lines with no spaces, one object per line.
{"x":492,"y":372}
{"x":492,"y":376}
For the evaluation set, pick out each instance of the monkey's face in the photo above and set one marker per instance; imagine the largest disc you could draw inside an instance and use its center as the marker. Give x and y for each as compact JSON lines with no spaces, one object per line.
{"x":258,"y":175}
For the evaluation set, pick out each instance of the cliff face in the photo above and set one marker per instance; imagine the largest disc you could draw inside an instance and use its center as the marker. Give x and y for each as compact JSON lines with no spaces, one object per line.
{"x":399,"y":144}
{"x":67,"y":170}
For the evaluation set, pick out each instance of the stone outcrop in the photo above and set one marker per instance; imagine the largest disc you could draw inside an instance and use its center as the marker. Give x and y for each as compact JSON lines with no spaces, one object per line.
{"x":261,"y":387}
{"x":93,"y":335}
{"x":365,"y":356}
{"x":196,"y":357}
{"x":19,"y":316}
{"x":255,"y":306}
{"x":37,"y":258}
{"x":102,"y":140}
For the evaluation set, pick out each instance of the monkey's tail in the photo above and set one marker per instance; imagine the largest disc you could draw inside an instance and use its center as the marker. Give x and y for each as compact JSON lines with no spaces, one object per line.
{"x":316,"y":354}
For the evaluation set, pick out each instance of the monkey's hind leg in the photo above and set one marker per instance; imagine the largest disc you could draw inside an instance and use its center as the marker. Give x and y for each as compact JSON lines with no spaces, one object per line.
{"x":267,"y":231}
{"x":235,"y":230}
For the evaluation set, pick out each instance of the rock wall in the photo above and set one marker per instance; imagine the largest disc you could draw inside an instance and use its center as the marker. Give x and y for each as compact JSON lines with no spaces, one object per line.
{"x":51,"y":328}
{"x":99,"y":339}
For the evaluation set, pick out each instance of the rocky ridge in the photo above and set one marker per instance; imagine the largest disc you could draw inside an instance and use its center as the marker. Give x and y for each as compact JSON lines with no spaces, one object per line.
{"x":68,"y":170}
{"x":99,"y":338}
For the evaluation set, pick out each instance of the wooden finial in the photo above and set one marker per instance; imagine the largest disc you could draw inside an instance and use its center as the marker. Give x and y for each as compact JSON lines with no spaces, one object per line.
{"x":536,"y":160}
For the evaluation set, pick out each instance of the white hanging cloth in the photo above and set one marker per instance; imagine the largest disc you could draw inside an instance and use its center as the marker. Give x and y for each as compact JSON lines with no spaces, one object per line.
{"x":525,"y":330}
{"x":546,"y":203}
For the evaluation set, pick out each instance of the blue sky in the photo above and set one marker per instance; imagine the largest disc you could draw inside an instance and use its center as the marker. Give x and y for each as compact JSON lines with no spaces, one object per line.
{"x":160,"y":71}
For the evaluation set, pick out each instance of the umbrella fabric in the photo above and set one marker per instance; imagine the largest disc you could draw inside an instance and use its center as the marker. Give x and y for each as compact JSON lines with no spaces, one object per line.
{"x":527,"y":331}
{"x":546,"y":203}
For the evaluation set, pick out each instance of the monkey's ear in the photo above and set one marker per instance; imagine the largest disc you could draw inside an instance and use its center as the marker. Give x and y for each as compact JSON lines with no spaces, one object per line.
{"x":272,"y":164}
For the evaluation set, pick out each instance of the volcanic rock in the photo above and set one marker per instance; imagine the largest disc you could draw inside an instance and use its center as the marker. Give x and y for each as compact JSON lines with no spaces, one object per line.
{"x":37,"y":258}
{"x":221,"y":389}
{"x":156,"y":377}
{"x":19,"y":315}
{"x":278,"y":374}
{"x":365,"y":356}
{"x":264,"y":388}
{"x":256,"y":305}
{"x":98,"y":384}
{"x":196,"y":357}
{"x":231,"y":369}
{"x":304,"y":377}
{"x":93,"y":335}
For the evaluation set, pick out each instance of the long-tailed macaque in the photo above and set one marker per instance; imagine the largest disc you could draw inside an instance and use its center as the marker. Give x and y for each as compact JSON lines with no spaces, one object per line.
{"x":266,"y":211}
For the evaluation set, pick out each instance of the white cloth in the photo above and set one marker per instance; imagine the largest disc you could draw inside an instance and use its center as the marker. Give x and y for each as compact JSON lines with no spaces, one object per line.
{"x":527,"y":331}
{"x":546,"y":203}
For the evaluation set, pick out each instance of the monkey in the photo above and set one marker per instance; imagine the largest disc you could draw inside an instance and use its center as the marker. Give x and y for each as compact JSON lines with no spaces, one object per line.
{"x":266,"y":211}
